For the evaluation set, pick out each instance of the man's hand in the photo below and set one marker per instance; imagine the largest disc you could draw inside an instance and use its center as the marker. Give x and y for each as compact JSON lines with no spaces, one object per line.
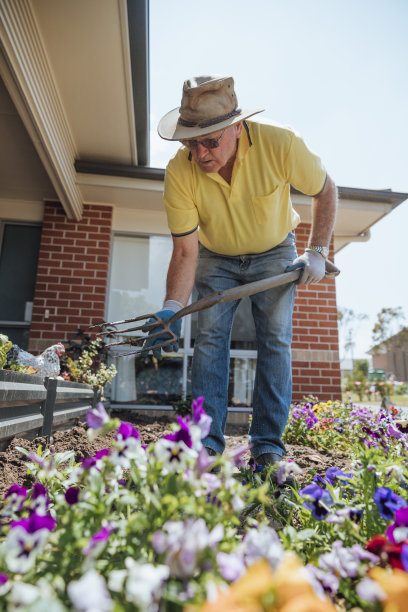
{"x":313,"y":264}
{"x":175,"y":328}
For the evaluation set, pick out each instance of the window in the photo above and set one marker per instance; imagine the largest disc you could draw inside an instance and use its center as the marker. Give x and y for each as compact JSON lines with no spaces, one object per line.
{"x":19,"y":248}
{"x":137,"y":286}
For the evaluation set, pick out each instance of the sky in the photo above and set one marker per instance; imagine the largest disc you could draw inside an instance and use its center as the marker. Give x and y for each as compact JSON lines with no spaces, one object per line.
{"x":336,"y":71}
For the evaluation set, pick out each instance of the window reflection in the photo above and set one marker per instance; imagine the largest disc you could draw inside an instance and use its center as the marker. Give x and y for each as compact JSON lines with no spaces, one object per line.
{"x":137,"y":286}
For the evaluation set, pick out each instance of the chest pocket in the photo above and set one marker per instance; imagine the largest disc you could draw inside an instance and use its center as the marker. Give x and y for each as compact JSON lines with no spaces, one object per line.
{"x":266,"y":208}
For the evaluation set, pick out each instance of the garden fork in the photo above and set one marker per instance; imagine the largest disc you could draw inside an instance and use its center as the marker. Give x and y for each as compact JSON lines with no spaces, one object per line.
{"x":163,"y":327}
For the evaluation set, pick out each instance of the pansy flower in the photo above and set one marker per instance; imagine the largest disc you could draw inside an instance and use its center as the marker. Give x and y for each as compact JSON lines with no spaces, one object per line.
{"x":142,"y":583}
{"x":128,"y":447}
{"x":14,"y":500}
{"x":182,"y":542}
{"x":398,"y":531}
{"x":25,"y":540}
{"x":98,"y":541}
{"x":72,"y":495}
{"x":286,"y":472}
{"x":182,"y":434}
{"x":5,"y":583}
{"x":90,"y":593}
{"x":174,"y":450}
{"x":200,"y":418}
{"x":347,"y":562}
{"x":386,"y":551}
{"x":39,"y":499}
{"x":317,"y":500}
{"x":97,"y":417}
{"x":388,"y":502}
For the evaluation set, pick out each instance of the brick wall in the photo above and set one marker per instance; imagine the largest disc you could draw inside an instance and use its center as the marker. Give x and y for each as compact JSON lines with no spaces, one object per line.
{"x":72,"y":274}
{"x":315,"y":358}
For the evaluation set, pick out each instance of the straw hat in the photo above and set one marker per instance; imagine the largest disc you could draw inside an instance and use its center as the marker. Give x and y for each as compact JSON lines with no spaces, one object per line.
{"x":208,"y":104}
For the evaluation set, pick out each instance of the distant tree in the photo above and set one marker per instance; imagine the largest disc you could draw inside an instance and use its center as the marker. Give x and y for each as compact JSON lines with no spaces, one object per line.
{"x":349,"y":322}
{"x":360,"y":369}
{"x":387,"y":325}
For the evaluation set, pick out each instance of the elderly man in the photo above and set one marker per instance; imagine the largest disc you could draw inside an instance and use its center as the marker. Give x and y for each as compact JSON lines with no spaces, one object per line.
{"x":227,"y":197}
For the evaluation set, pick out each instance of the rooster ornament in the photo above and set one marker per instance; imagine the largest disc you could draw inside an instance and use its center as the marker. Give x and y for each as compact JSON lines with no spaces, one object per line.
{"x":46,"y":364}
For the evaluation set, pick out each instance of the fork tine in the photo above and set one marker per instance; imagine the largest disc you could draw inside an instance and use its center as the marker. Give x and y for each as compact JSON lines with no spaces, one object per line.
{"x":142,"y":349}
{"x":140,"y":339}
{"x":145,"y":327}
{"x":140,"y":318}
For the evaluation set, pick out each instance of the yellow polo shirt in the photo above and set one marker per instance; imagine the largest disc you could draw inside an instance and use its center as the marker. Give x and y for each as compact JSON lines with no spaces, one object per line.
{"x":254,"y":213}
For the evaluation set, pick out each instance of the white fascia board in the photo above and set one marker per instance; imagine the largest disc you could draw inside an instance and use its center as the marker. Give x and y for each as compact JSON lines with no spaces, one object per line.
{"x":28,"y":77}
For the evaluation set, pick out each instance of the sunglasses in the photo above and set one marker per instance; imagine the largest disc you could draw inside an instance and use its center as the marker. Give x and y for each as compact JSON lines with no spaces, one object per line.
{"x":207,"y":143}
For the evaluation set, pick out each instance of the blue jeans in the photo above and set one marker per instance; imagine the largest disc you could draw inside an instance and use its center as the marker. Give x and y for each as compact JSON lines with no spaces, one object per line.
{"x":272,"y":314}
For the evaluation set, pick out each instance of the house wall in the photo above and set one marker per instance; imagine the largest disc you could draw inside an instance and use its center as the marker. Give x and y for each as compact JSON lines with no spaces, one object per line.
{"x":315,"y":346}
{"x":72,"y":274}
{"x":72,"y":283}
{"x":395,"y":362}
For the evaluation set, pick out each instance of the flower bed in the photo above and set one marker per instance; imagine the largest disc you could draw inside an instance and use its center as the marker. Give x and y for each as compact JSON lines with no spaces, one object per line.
{"x":136,"y":527}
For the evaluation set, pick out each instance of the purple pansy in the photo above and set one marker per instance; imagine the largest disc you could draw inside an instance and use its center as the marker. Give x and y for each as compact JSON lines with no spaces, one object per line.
{"x":16,"y":490}
{"x":98,"y":540}
{"x":204,"y":461}
{"x":398,"y":531}
{"x":39,"y":499}
{"x":104,"y":452}
{"x":88,"y":462}
{"x":14,"y":497}
{"x":126,"y":430}
{"x":200,"y":417}
{"x":35,"y":522}
{"x":317,"y":500}
{"x":404,"y":556}
{"x":238,"y":455}
{"x":25,"y":540}
{"x":334,"y":473}
{"x":97,"y":417}
{"x":72,"y":496}
{"x":182,"y":435}
{"x":3,"y":578}
{"x":388,"y":502}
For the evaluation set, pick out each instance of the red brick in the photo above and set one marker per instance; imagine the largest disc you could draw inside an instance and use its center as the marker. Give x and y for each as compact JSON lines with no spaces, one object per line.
{"x":97,"y":251}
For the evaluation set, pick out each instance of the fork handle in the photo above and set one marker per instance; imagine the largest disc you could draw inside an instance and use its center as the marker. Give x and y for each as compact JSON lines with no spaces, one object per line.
{"x":235,"y":293}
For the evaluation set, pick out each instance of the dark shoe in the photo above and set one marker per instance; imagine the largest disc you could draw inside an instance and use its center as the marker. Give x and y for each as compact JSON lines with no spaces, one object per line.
{"x":267,"y":459}
{"x":210,"y":451}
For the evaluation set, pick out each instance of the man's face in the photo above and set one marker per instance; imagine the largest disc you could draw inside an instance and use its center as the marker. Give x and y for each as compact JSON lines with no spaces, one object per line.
{"x":212,"y":160}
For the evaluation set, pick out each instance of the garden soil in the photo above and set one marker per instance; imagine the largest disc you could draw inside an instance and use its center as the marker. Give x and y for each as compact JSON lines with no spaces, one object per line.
{"x":13,"y":468}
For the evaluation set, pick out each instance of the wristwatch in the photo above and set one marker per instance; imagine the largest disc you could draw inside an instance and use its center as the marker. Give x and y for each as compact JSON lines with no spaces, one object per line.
{"x":323,"y":250}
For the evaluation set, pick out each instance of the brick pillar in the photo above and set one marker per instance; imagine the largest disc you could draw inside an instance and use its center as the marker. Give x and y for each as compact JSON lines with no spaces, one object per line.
{"x":72,"y":274}
{"x":315,"y":347}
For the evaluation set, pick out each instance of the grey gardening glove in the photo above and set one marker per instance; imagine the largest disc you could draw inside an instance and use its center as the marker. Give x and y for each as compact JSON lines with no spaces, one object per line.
{"x":313,"y":264}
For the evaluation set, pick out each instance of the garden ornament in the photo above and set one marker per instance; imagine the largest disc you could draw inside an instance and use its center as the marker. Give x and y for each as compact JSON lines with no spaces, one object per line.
{"x":156,"y":326}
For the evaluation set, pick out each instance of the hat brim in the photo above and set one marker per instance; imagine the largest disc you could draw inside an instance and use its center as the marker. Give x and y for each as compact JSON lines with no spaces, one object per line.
{"x":170,"y":129}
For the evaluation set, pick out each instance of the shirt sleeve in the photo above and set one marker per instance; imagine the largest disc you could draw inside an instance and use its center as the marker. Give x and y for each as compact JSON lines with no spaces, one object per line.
{"x":305,"y":170}
{"x":182,"y":214}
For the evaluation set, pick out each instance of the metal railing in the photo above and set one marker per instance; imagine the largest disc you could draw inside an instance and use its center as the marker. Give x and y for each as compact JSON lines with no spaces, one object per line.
{"x":32,"y":406}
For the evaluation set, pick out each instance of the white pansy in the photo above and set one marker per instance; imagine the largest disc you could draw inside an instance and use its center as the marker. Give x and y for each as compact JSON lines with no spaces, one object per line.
{"x":23,"y":594}
{"x":174,"y":456}
{"x":20,"y":548}
{"x":144,"y":584}
{"x":263,"y":543}
{"x":89,"y":593}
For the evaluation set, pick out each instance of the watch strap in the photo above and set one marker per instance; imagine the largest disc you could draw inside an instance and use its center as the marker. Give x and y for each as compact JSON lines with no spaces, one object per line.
{"x":323,"y":250}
